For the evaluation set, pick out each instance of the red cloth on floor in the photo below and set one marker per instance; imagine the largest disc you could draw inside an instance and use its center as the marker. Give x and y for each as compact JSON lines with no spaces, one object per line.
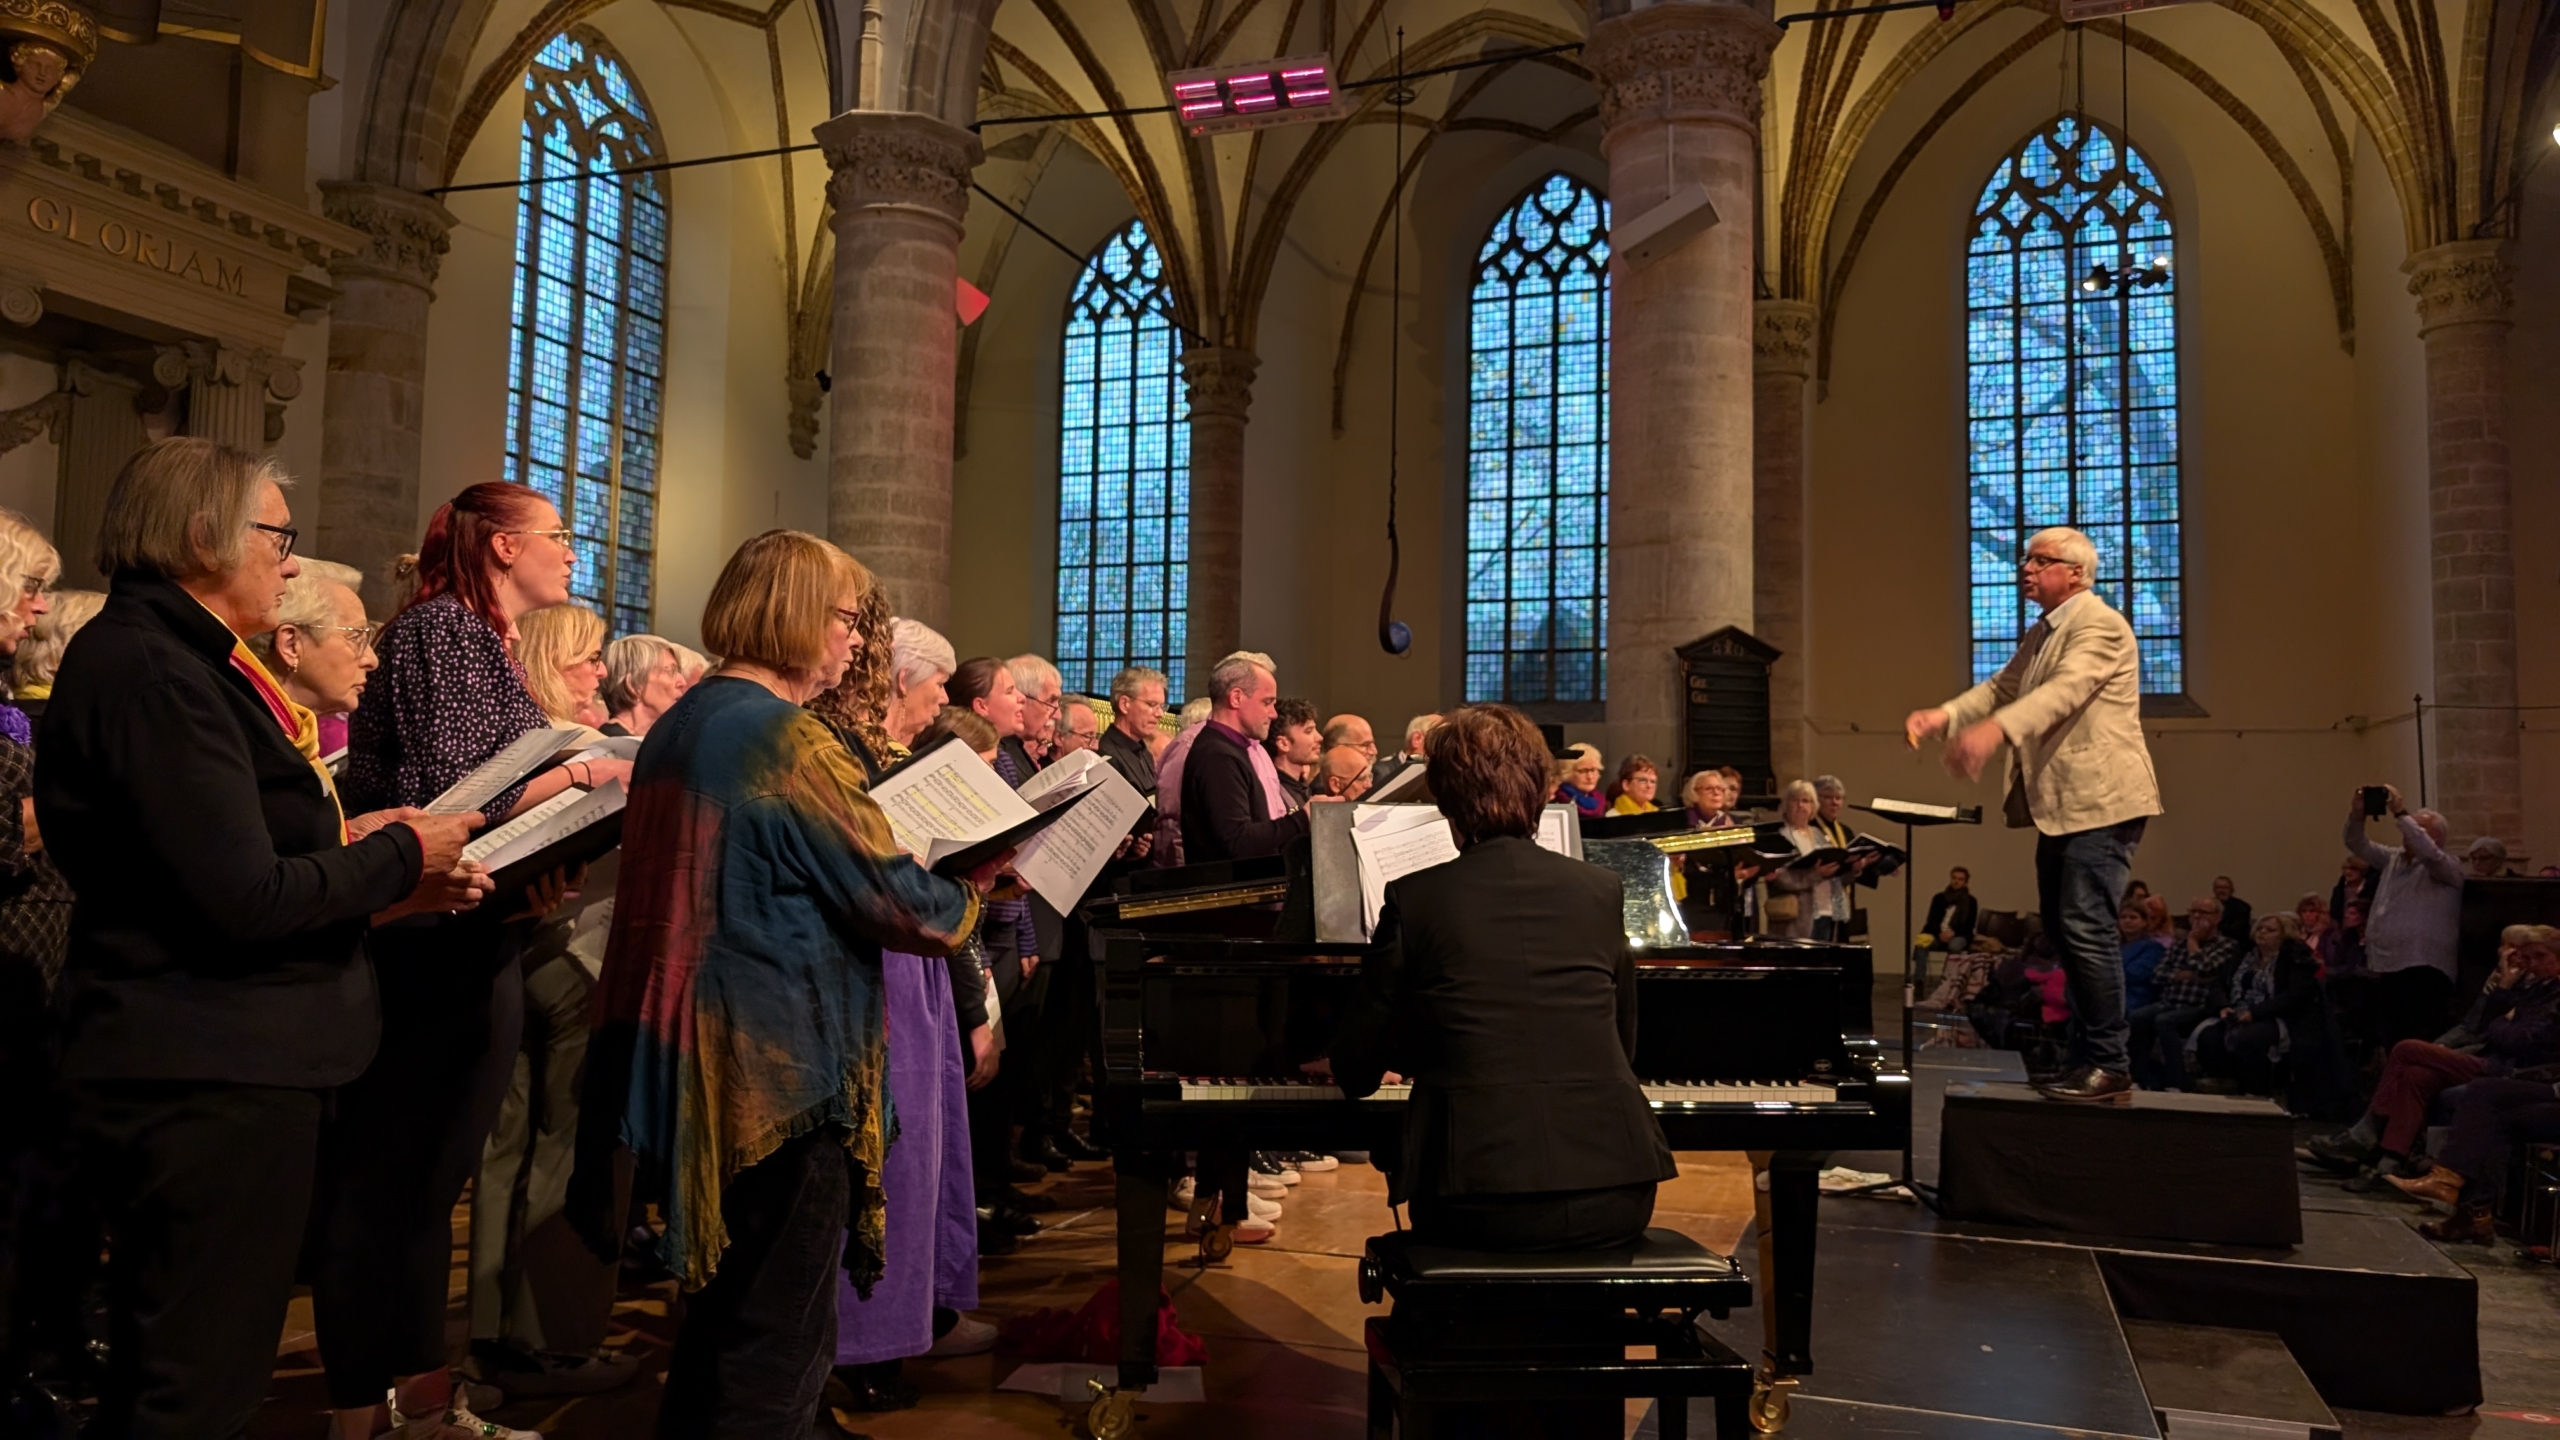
{"x":2412,"y":1078}
{"x":1092,"y":1334}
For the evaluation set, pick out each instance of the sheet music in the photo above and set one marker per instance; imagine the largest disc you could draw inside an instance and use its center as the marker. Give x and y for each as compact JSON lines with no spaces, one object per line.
{"x":946,"y":801}
{"x":545,"y":825}
{"x":504,"y":769}
{"x":1394,"y":841}
{"x":1073,"y":773}
{"x":1556,"y":826}
{"x":1408,"y":777}
{"x":610,"y":747}
{"x":1062,"y":861}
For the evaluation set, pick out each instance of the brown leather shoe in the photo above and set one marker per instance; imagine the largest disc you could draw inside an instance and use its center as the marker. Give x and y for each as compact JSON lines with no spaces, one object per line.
{"x":2462,"y":1227}
{"x":2439,"y":1185}
{"x":2089,"y":1085}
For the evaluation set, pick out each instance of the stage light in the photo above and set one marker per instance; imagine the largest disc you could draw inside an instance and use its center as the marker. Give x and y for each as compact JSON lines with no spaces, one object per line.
{"x":1248,"y":97}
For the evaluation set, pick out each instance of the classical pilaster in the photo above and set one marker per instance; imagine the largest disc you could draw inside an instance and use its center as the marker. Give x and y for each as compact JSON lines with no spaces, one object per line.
{"x":102,"y":428}
{"x":373,"y":416}
{"x":228,"y":386}
{"x":1680,"y":105}
{"x":1220,"y":382}
{"x":901,"y":193}
{"x":1782,"y":340}
{"x":2466,"y":305}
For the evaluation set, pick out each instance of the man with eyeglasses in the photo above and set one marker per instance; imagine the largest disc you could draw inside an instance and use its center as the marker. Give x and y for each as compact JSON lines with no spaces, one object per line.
{"x":2184,"y":983}
{"x":2069,"y":707}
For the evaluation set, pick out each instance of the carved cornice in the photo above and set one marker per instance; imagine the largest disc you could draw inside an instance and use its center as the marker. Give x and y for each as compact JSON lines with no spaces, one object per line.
{"x":210,"y":362}
{"x":1782,"y":338}
{"x":2466,"y":282}
{"x":78,"y":145}
{"x":892,"y":159}
{"x":1681,"y":60}
{"x":1220,"y":380}
{"x":407,"y":233}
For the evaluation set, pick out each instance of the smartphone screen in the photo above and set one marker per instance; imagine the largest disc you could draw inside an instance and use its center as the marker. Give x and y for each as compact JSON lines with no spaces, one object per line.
{"x":2377,"y":801}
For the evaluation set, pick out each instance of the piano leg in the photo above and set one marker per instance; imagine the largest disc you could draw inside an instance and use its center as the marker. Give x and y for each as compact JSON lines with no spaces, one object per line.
{"x":1788,"y":1212}
{"x":1141,"y":1236}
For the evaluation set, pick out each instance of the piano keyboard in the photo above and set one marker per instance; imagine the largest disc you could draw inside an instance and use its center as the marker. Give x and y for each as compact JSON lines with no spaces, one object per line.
{"x":1776,"y":1093}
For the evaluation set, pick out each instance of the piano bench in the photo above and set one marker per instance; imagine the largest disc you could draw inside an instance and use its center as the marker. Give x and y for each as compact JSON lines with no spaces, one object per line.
{"x":1474,"y":1329}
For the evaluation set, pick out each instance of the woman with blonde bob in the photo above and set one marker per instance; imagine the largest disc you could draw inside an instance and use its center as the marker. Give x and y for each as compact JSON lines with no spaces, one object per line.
{"x":740,"y":1049}
{"x":561,"y":648}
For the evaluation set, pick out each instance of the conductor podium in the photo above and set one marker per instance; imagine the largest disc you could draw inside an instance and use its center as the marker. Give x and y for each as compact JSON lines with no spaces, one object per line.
{"x":2165,"y":1167}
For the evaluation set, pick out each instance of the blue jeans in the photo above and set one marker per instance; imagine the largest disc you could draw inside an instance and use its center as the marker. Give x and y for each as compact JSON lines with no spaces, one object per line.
{"x":2080,"y":879}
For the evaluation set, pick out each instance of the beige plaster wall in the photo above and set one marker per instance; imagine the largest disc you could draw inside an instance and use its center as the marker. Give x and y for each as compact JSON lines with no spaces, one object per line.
{"x":727,"y":470}
{"x":2534,"y":435}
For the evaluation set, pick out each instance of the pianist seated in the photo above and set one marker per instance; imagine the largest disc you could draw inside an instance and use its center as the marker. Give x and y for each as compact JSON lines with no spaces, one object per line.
{"x":1502,"y":984}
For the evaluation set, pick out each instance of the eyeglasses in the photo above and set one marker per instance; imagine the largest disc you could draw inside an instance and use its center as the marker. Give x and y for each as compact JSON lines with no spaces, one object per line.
{"x":33,"y":585}
{"x":360,"y":637}
{"x":851,"y":620}
{"x":557,"y":537}
{"x":2034,"y":563}
{"x":285,"y":536}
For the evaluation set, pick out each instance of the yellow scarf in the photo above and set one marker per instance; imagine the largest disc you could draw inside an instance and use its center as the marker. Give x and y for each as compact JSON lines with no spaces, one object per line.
{"x":300,"y":725}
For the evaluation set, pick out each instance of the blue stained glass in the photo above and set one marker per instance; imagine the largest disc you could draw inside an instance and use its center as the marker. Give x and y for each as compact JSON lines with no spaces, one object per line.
{"x":2065,"y":386}
{"x":1537,"y":450}
{"x":589,"y":336}
{"x":1124,"y":456}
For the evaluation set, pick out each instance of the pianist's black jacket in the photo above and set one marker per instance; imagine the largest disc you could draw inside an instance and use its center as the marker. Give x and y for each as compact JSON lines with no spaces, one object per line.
{"x":1225,"y":815}
{"x":218,"y":933}
{"x":1501,"y":985}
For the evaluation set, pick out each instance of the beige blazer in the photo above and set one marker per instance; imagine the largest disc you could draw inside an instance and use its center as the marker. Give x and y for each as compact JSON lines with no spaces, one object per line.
{"x":2070,"y":702}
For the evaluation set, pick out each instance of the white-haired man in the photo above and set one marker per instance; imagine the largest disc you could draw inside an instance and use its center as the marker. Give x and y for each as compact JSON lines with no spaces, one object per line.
{"x":2413,"y":921}
{"x":2069,"y":706}
{"x":1232,"y":806}
{"x":1038,"y":681}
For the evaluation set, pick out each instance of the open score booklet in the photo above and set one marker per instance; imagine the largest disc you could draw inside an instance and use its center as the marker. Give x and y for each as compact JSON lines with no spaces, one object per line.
{"x":951,"y":811}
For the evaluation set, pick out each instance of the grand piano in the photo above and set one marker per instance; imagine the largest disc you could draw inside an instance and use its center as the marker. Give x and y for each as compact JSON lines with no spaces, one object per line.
{"x":1219,"y":981}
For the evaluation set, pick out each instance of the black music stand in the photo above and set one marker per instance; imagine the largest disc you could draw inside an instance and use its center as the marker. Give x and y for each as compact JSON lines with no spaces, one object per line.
{"x":1912,"y":813}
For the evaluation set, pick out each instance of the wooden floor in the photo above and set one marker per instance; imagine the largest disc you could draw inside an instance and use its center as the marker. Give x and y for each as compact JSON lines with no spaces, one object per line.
{"x":1282,"y":1322}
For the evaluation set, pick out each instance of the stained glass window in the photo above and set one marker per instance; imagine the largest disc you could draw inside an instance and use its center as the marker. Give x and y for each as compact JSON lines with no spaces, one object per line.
{"x":1124,"y":473}
{"x":2073,"y":388}
{"x":1538,"y":451}
{"x":588,"y":362}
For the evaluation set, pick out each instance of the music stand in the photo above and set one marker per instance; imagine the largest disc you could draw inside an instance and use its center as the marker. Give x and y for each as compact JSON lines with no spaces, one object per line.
{"x":1912,"y":814}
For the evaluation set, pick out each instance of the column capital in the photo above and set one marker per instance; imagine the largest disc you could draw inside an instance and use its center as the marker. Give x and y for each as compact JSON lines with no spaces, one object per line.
{"x":407,"y":233}
{"x":216,"y":362}
{"x":1783,"y":336}
{"x":1219,"y":379}
{"x":896,"y":159}
{"x":2463,"y":282}
{"x":1681,"y":60}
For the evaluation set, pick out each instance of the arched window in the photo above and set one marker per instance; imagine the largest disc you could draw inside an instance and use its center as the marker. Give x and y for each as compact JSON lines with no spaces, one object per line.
{"x":2073,"y":387}
{"x":589,"y":356}
{"x":1538,"y":452}
{"x":1124,"y":473}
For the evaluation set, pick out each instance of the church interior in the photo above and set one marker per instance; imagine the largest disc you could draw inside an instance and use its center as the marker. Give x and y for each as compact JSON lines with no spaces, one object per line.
{"x":2259,"y":294}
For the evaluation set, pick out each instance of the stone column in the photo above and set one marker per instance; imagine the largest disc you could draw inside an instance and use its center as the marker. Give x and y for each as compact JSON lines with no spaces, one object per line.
{"x":1220,"y":381}
{"x":1680,"y":104}
{"x":373,"y":417}
{"x":1782,"y":340}
{"x":228,"y":386}
{"x":901,"y":193}
{"x":2465,"y":307}
{"x":104,"y":430}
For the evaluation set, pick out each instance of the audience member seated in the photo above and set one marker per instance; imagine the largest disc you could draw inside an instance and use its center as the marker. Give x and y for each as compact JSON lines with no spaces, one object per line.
{"x":2492,"y":1118}
{"x":2142,"y":952}
{"x":2274,"y":989}
{"x":2188,"y":978}
{"x":1952,"y":913}
{"x":1232,"y":805}
{"x":1508,"y":950}
{"x":2412,"y":922}
{"x":2025,"y":1006}
{"x":2486,"y":859}
{"x":2239,"y":918}
{"x":1577,"y":780}
{"x":2517,"y":1022}
{"x":1635,"y":787}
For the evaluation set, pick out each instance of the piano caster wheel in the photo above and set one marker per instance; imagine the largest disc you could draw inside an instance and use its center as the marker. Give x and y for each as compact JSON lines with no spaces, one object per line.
{"x":1373,"y":1284}
{"x":1113,"y":1415}
{"x":1217,"y":1243}
{"x":1769,"y":1403}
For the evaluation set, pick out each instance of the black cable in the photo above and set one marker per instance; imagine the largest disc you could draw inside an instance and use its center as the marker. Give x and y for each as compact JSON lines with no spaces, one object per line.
{"x":1394,"y":636}
{"x":1945,"y":7}
{"x":1069,"y":251}
{"x":650,"y":169}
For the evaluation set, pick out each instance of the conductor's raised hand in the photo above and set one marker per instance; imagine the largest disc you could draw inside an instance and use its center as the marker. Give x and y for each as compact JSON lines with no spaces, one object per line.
{"x":1972,"y":748}
{"x":1921,"y":724}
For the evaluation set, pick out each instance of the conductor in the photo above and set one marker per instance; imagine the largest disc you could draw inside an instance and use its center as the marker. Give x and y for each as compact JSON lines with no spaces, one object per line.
{"x":2069,"y":706}
{"x":1501,"y":982}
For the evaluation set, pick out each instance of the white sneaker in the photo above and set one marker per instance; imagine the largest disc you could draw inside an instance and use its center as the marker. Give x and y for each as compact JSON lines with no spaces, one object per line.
{"x":1180,"y":1199}
{"x":1257,"y":1208}
{"x":456,"y":1422}
{"x":1255,"y":1232}
{"x":1317,"y":1164}
{"x":1261,"y":1184}
{"x":969,"y":1337}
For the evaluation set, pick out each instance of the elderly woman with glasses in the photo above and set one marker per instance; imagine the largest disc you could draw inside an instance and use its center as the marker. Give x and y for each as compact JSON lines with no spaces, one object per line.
{"x":321,"y":648}
{"x":406,"y":1136}
{"x":741,"y":1050}
{"x":216,"y":987}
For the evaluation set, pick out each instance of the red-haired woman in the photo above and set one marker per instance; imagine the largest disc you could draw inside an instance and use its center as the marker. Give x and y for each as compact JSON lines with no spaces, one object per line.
{"x":407,"y":1134}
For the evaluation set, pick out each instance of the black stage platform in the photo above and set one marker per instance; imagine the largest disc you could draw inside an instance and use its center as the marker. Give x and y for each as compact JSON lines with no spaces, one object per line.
{"x":1927,"y":1328}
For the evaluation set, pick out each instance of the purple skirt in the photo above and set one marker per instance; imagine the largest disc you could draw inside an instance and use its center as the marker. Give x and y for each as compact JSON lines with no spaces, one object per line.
{"x":932,"y":1239}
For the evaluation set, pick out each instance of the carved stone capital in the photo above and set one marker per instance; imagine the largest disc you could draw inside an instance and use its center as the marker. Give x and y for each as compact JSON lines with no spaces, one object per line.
{"x":1783,"y":334}
{"x":407,"y":234}
{"x":1681,"y":60}
{"x":212,"y":362}
{"x":21,"y":298}
{"x":44,"y":417}
{"x":1220,"y":380}
{"x":2466,"y":282}
{"x":891,"y":158}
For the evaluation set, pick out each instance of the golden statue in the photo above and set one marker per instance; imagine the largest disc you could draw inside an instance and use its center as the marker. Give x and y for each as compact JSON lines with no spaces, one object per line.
{"x":45,"y":45}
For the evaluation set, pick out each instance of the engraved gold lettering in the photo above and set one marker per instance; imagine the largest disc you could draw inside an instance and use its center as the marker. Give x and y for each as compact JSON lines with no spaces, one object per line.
{"x":46,"y":214}
{"x":195,"y":268}
{"x":116,"y":238}
{"x":147,"y":251}
{"x":227,"y":277}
